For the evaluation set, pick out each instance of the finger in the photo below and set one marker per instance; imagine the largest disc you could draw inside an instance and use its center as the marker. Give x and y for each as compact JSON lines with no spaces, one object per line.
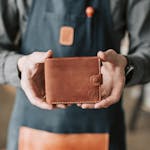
{"x":39,"y":57}
{"x":104,"y":103}
{"x":113,"y":98}
{"x":104,"y":93}
{"x":87,"y":106}
{"x":101,"y":55}
{"x":107,"y":55}
{"x":32,"y":96}
{"x":49,"y":54}
{"x":62,"y":106}
{"x":43,"y":105}
{"x":79,"y":105}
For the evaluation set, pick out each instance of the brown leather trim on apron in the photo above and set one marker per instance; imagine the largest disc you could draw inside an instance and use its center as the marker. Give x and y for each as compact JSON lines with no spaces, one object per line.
{"x":32,"y":139}
{"x":66,"y":35}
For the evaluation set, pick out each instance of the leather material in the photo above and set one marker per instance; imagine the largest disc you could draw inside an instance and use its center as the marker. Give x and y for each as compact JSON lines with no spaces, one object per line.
{"x":66,"y":35}
{"x":32,"y":139}
{"x":73,"y":80}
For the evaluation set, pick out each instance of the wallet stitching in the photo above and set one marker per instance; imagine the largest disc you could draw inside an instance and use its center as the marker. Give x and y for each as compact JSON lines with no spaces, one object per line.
{"x":83,"y":101}
{"x":87,"y":99}
{"x":75,"y":102}
{"x":99,"y":65}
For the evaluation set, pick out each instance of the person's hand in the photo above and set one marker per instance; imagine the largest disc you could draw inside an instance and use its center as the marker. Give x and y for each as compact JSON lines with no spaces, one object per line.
{"x":113,"y":79}
{"x":32,"y":78}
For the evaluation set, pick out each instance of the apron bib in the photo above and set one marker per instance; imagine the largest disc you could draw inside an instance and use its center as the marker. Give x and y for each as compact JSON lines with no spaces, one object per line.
{"x":63,"y":26}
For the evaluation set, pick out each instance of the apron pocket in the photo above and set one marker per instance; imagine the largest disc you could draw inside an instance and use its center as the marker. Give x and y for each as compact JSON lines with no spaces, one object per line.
{"x":33,"y":139}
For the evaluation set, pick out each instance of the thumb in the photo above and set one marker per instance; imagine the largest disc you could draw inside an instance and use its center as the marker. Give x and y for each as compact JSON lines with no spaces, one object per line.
{"x":101,"y":55}
{"x":39,"y":57}
{"x":49,"y":54}
{"x":107,"y":55}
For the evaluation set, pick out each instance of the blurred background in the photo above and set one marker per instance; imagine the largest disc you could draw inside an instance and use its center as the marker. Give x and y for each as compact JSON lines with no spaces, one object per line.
{"x":136,"y":104}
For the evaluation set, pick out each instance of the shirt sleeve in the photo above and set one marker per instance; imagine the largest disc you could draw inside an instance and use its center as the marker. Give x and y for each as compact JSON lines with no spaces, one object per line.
{"x":9,"y":27}
{"x":138,"y":26}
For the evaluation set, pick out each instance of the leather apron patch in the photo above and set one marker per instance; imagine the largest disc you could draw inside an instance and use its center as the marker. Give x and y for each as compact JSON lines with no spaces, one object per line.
{"x":32,"y":139}
{"x":66,"y":35}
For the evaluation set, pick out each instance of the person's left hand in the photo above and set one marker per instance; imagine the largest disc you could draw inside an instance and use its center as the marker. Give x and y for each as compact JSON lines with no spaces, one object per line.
{"x":32,"y":79}
{"x":113,"y":78}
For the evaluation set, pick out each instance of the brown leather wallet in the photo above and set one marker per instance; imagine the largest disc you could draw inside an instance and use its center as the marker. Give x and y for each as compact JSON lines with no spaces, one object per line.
{"x":73,"y":80}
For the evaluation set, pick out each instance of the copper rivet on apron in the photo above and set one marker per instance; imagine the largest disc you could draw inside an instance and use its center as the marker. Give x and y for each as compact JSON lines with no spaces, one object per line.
{"x":90,"y":11}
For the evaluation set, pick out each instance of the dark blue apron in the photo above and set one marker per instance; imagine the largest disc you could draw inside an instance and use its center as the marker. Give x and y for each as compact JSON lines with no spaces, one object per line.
{"x":45,"y":20}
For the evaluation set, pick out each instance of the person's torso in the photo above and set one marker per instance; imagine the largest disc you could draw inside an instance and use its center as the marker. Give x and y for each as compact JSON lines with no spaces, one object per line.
{"x":117,"y":8}
{"x":43,"y":33}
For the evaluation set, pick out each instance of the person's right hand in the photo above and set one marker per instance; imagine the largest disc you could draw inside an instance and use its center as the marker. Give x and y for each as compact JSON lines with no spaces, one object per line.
{"x":32,"y":78}
{"x":113,"y":79}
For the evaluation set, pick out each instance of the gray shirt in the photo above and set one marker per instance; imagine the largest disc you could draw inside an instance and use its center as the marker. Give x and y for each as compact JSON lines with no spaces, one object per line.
{"x":127,"y":15}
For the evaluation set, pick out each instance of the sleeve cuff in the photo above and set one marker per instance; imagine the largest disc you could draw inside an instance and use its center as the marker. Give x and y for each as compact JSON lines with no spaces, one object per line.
{"x":11,"y":71}
{"x":138,"y":72}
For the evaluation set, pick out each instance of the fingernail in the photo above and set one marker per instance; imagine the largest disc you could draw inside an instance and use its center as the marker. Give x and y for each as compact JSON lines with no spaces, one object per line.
{"x":50,"y":107}
{"x":63,"y":107}
{"x":96,"y":107}
{"x":83,"y":107}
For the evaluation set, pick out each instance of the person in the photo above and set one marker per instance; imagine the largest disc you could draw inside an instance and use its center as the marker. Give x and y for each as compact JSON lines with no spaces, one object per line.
{"x":29,"y":28}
